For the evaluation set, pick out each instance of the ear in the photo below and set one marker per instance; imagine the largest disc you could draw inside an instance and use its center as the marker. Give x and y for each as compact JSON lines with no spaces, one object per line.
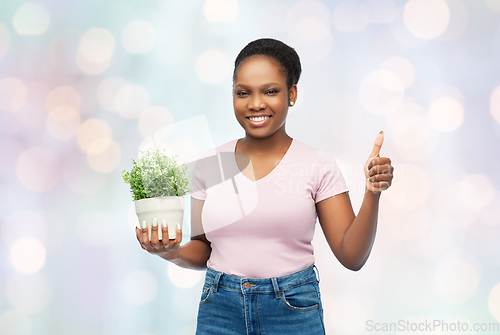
{"x":292,"y":93}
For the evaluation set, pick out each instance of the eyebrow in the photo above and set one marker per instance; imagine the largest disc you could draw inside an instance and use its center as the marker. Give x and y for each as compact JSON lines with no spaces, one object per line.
{"x":268,"y":84}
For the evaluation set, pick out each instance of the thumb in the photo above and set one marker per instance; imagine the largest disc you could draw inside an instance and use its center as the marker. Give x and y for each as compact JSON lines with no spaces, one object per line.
{"x":378,"y":144}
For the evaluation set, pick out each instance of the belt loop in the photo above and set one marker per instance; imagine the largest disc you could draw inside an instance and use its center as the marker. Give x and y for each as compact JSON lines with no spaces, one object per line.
{"x":276,"y":287}
{"x":317,"y":271}
{"x":216,"y":280}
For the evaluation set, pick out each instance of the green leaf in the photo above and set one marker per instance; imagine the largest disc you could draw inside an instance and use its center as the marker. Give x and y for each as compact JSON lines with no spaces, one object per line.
{"x":155,"y":174}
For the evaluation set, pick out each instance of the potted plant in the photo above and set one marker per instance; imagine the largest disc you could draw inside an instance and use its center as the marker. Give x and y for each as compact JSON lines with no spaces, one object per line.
{"x":158,"y":185}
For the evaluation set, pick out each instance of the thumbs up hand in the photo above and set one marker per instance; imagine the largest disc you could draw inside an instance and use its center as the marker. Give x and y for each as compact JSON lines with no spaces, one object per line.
{"x":378,"y":170}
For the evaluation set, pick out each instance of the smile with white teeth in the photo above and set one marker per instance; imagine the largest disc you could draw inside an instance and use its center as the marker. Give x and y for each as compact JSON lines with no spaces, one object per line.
{"x":259,"y":118}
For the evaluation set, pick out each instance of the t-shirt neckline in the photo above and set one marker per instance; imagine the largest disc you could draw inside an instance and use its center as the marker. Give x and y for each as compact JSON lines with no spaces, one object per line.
{"x":272,"y":171}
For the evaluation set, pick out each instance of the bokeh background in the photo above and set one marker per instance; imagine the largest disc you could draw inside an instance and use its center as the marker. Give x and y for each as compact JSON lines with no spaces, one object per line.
{"x":83,"y":83}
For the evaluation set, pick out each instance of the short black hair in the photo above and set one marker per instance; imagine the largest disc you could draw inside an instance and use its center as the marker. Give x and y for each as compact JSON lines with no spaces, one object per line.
{"x":285,"y":56}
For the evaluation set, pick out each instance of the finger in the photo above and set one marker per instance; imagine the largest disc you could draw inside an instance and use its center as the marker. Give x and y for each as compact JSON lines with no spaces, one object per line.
{"x":155,"y":242}
{"x":380,"y":177}
{"x":380,"y":169}
{"x":378,"y":161}
{"x":138,"y":235}
{"x":173,"y":246}
{"x":378,"y":144}
{"x":178,"y":233}
{"x":145,"y":236}
{"x":164,"y":233}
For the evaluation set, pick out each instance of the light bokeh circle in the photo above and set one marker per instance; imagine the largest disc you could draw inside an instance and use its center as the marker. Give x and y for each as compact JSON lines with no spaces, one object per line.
{"x":27,"y":255}
{"x":31,"y":19}
{"x":213,"y":66}
{"x":104,"y":155}
{"x":92,"y":130}
{"x":495,"y":104}
{"x":97,"y":45}
{"x":310,"y":31}
{"x":308,"y":23}
{"x":139,"y":37}
{"x":221,"y":10}
{"x":91,"y":68}
{"x":182,"y":277}
{"x":411,"y":132}
{"x":381,"y":92}
{"x":489,"y":214}
{"x":311,"y":50}
{"x":446,"y":114}
{"x":426,"y":19}
{"x":63,"y":96}
{"x":401,"y":67}
{"x":63,"y":123}
{"x":494,"y":301}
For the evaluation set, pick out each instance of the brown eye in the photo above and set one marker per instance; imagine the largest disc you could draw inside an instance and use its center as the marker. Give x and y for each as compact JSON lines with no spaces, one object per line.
{"x":241,"y":93}
{"x":272,"y":91}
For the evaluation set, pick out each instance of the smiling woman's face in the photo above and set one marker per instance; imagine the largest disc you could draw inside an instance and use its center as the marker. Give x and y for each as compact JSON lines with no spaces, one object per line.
{"x":259,"y":89}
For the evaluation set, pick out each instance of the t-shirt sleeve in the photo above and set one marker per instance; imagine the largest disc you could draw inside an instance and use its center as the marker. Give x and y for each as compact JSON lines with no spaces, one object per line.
{"x":329,"y":178}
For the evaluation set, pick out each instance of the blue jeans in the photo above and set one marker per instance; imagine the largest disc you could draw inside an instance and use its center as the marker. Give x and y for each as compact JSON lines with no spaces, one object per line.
{"x":289,"y":304}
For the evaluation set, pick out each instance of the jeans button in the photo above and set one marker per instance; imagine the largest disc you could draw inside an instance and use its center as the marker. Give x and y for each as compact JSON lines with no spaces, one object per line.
{"x":246,"y":285}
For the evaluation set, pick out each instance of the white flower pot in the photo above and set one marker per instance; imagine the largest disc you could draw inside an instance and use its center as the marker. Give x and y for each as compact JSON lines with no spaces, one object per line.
{"x":169,"y":208}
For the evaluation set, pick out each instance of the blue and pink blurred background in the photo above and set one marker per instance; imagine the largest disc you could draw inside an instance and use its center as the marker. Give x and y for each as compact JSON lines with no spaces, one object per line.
{"x":83,"y":83}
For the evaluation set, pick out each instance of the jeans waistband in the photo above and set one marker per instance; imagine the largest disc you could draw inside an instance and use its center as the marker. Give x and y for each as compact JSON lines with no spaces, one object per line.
{"x":261,"y":285}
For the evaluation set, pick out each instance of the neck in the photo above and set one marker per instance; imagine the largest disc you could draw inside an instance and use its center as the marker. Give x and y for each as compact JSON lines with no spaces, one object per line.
{"x":279,"y":141}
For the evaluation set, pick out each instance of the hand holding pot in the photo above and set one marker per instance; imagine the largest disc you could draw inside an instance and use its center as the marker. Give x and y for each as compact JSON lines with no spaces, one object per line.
{"x":165,"y":248}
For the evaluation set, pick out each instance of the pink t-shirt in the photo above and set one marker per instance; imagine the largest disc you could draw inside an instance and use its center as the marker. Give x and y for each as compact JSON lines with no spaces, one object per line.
{"x":264,"y":228}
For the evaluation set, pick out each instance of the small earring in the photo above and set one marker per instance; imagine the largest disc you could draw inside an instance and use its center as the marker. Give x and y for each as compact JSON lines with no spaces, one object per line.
{"x":292,"y":103}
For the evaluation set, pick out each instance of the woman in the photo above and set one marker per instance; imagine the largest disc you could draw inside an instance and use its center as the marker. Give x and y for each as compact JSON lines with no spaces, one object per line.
{"x":255,"y":242}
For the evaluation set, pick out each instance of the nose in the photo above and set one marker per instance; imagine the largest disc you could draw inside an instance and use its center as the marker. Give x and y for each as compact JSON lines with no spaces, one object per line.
{"x":256,"y":103}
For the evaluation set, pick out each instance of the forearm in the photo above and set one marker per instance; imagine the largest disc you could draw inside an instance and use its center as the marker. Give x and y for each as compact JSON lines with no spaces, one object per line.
{"x":193,"y":255}
{"x":358,"y":239}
